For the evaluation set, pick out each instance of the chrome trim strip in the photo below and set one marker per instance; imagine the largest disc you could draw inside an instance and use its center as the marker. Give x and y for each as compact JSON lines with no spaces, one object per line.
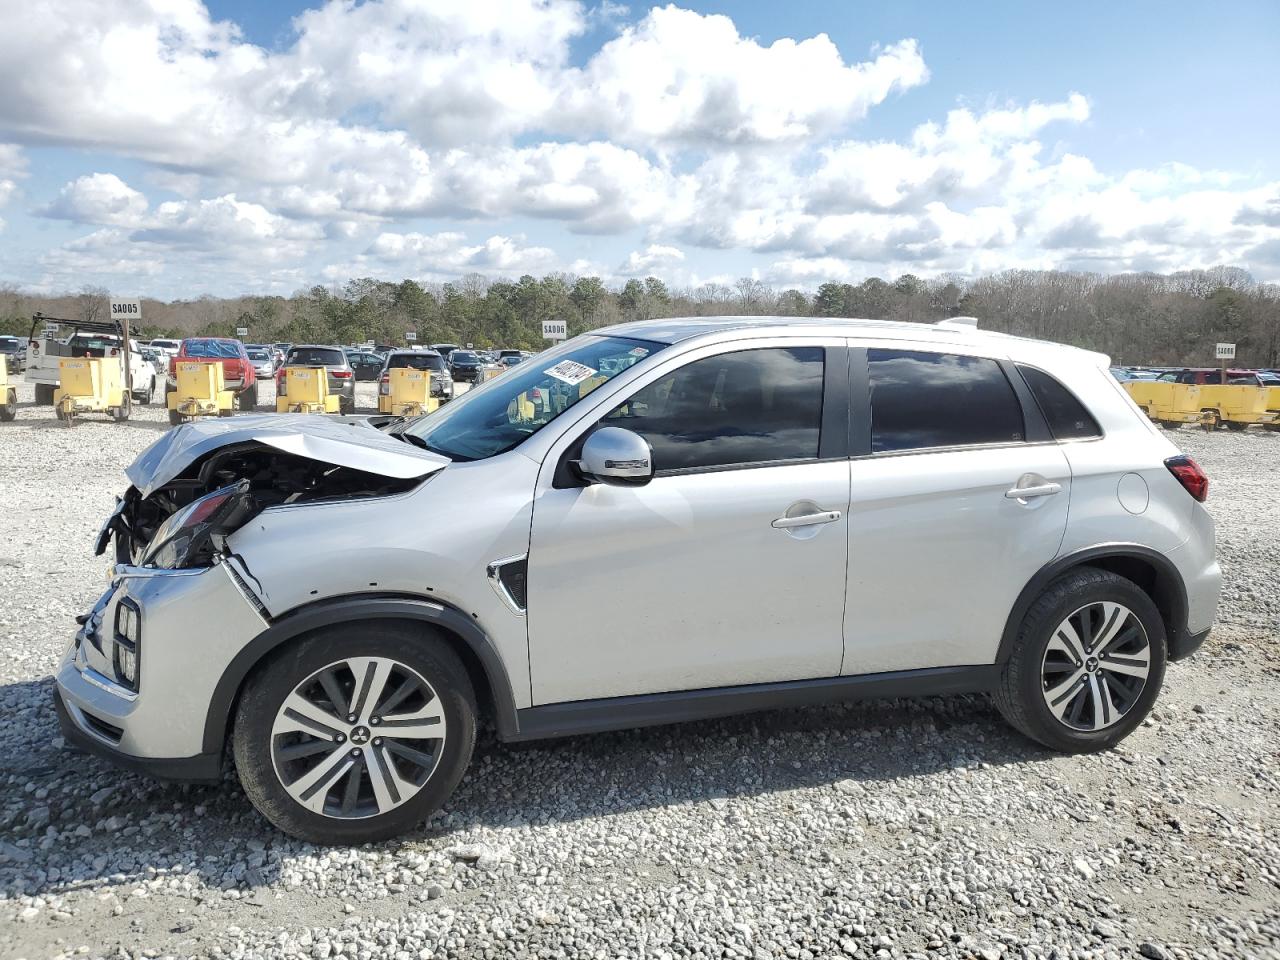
{"x":103,"y":683}
{"x":494,"y":571}
{"x":126,"y":571}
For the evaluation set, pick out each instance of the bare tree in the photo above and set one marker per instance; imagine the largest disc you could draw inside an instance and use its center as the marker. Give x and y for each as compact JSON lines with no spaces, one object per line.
{"x":91,"y":304}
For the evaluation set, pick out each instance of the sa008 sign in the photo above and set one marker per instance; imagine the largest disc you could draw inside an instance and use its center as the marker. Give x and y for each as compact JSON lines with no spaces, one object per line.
{"x":554,"y":330}
{"x":126,"y":310}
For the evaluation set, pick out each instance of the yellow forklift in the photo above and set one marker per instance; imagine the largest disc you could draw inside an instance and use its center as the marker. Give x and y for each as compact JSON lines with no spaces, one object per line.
{"x":408,"y":393}
{"x":88,"y":370}
{"x":199,"y":391}
{"x":307,"y":391}
{"x":8,"y":394}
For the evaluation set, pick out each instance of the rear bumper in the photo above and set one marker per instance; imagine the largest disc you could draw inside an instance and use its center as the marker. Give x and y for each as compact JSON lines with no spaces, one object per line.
{"x":202,"y":768}
{"x":1183,"y":644}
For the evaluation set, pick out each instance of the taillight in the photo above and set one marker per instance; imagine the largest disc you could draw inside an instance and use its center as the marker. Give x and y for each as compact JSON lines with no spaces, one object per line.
{"x":1189,"y":474}
{"x":341,"y":374}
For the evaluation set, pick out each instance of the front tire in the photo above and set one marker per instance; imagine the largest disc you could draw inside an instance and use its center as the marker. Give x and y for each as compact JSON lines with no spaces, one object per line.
{"x":248,"y":400}
{"x":44,"y":394}
{"x":1087,"y":664}
{"x":356,"y":734}
{"x":1235,"y":427}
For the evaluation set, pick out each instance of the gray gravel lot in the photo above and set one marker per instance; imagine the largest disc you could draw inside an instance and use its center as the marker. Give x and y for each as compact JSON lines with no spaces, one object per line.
{"x":886,"y":829}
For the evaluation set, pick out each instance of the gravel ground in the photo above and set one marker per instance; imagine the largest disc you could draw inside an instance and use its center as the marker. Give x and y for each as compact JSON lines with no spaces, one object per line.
{"x":889,"y":829}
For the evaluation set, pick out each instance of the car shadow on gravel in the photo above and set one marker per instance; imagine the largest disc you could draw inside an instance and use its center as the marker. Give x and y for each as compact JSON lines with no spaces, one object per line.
{"x":70,"y":821}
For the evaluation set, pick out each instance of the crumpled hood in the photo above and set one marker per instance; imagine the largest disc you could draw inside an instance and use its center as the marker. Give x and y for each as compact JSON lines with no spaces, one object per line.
{"x":343,"y":441}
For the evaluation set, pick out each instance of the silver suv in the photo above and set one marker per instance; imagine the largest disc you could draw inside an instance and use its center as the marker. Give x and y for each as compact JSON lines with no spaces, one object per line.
{"x":655,"y":522}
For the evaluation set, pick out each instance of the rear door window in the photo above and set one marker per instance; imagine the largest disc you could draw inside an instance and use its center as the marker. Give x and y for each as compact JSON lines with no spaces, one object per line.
{"x":921,"y":400}
{"x":750,"y":406}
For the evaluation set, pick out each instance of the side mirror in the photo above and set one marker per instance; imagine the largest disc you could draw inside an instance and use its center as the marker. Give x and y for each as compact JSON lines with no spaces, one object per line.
{"x":617,"y":456}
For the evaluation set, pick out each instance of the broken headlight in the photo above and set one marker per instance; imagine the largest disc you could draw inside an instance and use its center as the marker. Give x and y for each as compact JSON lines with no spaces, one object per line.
{"x":190,"y":536}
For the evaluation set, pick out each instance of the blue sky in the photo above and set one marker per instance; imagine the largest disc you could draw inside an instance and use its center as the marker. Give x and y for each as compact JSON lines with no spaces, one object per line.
{"x":179,"y":149}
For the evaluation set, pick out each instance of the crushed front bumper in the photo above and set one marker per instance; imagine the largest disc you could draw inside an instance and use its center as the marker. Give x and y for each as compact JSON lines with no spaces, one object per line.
{"x":193,"y":622}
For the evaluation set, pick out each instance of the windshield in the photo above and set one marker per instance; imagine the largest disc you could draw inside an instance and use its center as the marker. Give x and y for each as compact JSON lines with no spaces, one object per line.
{"x":10,"y":346}
{"x":222,"y":349}
{"x":259,"y":355}
{"x":316,"y":356}
{"x":463,"y":356}
{"x":509,"y":409}
{"x":416,"y":361}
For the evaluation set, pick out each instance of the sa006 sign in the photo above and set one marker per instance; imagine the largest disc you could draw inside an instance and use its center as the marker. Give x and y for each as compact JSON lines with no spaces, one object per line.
{"x":126,"y":310}
{"x":554,"y":330}
{"x":1225,"y":351}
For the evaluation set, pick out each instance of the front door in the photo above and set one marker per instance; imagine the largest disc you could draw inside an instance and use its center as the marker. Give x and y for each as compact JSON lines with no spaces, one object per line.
{"x":728,"y":567}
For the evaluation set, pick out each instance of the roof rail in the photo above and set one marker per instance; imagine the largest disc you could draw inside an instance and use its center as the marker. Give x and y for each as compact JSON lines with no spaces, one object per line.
{"x":959,"y":323}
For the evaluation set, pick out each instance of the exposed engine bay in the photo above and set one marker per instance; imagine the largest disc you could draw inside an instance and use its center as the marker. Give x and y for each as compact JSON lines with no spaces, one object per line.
{"x":246,"y":478}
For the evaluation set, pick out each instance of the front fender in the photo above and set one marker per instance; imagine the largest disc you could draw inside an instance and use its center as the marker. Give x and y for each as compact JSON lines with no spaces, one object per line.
{"x":353,"y":609}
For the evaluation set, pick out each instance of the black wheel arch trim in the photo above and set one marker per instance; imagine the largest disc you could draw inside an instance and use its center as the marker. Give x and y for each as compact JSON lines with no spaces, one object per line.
{"x":1169,"y":584}
{"x":355,"y":609}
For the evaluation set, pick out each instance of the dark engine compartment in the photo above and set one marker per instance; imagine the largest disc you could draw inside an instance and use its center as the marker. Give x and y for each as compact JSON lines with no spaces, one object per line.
{"x":274,"y":477}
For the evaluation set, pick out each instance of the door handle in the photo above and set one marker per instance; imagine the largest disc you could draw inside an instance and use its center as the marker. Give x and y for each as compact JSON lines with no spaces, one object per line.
{"x":1030,"y":493}
{"x":808,"y":520}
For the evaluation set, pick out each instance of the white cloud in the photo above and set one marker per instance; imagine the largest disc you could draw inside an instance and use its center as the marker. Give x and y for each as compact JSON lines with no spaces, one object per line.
{"x":652,"y":259}
{"x":685,"y":77}
{"x":678,"y":133}
{"x":449,"y":254}
{"x":98,"y":198}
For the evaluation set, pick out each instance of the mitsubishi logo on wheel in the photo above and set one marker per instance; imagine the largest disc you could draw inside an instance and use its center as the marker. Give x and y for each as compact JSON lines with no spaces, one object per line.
{"x":360,"y":736}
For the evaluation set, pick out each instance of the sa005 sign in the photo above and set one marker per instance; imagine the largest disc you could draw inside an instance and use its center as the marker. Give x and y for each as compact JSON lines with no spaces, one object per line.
{"x":554,"y":330}
{"x":126,"y":310}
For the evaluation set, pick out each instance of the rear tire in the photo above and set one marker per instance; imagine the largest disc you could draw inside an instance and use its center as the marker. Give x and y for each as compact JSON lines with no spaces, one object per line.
{"x":44,"y":394}
{"x":400,"y":777}
{"x":1171,"y":424}
{"x":175,"y":418}
{"x":248,"y":400}
{"x":1068,"y":684}
{"x":9,"y":409}
{"x":1236,"y":427}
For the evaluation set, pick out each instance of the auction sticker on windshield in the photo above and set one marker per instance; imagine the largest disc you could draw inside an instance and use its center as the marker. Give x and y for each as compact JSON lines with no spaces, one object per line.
{"x":570,"y":372}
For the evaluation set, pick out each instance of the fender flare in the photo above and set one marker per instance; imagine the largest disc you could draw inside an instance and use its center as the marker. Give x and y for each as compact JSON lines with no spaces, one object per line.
{"x":353,"y":609}
{"x":1169,"y":583}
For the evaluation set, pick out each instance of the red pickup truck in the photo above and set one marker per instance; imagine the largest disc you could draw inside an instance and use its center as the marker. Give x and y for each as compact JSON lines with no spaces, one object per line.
{"x":237,"y":368}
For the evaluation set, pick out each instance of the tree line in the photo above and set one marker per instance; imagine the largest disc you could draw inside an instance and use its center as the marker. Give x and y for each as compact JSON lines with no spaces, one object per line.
{"x":1139,"y":318}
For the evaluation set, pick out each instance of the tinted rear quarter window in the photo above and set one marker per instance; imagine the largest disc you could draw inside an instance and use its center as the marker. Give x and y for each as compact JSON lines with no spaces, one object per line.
{"x":1067,"y":417}
{"x":921,"y":400}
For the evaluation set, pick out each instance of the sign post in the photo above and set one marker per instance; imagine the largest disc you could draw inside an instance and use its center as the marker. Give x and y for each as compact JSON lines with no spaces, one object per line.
{"x":554,"y":330}
{"x":126,"y":312}
{"x":1224,"y":352}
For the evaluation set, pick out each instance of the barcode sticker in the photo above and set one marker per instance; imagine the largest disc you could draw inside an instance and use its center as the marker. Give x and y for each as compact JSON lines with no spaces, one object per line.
{"x":570,"y":372}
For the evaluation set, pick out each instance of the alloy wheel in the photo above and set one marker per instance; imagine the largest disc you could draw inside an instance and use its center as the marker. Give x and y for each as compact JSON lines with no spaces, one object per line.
{"x":1096,"y":666}
{"x":358,"y":737}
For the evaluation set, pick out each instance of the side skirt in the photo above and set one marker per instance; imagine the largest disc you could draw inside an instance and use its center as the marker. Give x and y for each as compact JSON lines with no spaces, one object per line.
{"x":651,"y":709}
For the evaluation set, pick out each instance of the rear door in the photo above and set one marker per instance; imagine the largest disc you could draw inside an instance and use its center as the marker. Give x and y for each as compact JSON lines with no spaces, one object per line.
{"x":958,"y":496}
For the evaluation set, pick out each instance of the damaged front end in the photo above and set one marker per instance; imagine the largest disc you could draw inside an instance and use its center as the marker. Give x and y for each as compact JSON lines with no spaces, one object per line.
{"x":190,"y":492}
